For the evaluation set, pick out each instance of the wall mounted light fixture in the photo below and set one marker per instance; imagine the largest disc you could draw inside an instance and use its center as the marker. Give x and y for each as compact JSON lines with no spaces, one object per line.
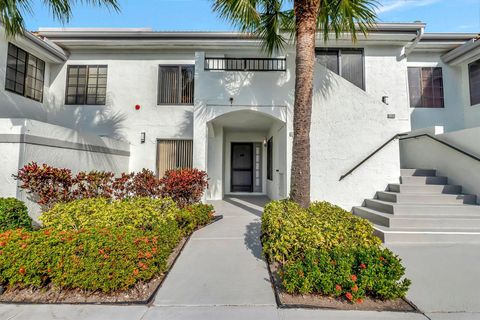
{"x":142,"y":137}
{"x":385,"y":100}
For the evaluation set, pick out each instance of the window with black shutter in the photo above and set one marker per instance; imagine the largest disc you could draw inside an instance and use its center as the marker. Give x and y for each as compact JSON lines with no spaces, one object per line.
{"x":348,"y":63}
{"x":474,"y":79}
{"x":176,"y":84}
{"x":425,"y":86}
{"x":270,"y":159}
{"x":25,"y":73}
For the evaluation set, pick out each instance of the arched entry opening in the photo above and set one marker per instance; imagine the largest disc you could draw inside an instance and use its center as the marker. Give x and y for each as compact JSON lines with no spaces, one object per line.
{"x":247,"y":154}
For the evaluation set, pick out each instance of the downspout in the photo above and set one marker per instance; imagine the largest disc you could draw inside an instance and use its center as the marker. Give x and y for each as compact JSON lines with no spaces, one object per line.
{"x":415,"y":42}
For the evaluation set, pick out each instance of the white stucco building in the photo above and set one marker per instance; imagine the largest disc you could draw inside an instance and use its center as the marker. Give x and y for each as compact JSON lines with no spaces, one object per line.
{"x":127,"y":99}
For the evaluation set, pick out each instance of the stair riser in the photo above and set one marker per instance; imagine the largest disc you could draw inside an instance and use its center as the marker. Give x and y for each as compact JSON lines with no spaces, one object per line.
{"x":414,"y":222}
{"x":423,"y":180}
{"x":418,"y":172}
{"x":372,"y":217}
{"x":391,"y":238}
{"x":444,"y":189}
{"x":379,"y":206}
{"x":427,"y":199}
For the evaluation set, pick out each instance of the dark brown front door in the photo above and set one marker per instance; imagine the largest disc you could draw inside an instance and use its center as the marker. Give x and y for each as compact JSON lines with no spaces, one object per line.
{"x":242,"y":167}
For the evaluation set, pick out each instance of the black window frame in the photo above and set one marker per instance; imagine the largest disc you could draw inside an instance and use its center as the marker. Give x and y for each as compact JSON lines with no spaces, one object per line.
{"x":423,"y":106}
{"x":470,"y":85}
{"x":25,"y":75}
{"x":87,"y":85}
{"x":180,"y":85}
{"x":270,"y":159}
{"x":339,"y":51}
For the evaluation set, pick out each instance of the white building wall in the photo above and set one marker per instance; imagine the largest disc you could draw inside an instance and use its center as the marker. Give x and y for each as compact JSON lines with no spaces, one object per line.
{"x":132,"y":79}
{"x":23,"y":141}
{"x":460,"y":169}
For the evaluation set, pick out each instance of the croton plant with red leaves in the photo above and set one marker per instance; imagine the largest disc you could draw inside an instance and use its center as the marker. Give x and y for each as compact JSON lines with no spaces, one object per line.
{"x":185,"y":186}
{"x":49,"y":185}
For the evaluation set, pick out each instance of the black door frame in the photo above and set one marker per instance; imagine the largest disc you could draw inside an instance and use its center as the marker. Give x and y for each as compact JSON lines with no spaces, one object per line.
{"x":251,"y":144}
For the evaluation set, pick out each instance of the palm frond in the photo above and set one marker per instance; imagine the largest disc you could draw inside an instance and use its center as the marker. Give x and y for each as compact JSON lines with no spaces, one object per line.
{"x":12,"y":11}
{"x":346,"y":16}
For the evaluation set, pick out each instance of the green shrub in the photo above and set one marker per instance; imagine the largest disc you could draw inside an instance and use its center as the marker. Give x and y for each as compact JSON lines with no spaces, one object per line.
{"x":353,"y":273}
{"x":144,"y":213}
{"x":193,"y":216}
{"x":13,"y":214}
{"x":327,"y":250}
{"x":289,"y":230}
{"x":94,"y":259}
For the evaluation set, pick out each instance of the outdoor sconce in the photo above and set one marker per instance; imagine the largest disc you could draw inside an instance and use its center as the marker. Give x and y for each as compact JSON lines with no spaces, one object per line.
{"x":385,"y":100}
{"x":231,"y":100}
{"x":142,"y":137}
{"x":264,"y":142}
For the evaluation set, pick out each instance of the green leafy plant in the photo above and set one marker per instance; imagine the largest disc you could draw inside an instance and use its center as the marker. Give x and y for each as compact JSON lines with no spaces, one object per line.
{"x":13,"y":214}
{"x":290,"y":230}
{"x":193,"y":216}
{"x":351,"y":273}
{"x":142,"y":213}
{"x":326,"y":250}
{"x":104,"y":259}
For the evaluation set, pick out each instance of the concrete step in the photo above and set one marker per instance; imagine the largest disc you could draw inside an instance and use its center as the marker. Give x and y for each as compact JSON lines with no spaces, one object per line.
{"x":419,"y":180}
{"x":408,"y":235}
{"x":427,"y":188}
{"x":426,"y":198}
{"x":418,"y":172}
{"x":422,"y":209}
{"x":441,"y":222}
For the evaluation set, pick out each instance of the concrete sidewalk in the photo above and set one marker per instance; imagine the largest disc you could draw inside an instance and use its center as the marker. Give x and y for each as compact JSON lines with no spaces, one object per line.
{"x":222,"y":264}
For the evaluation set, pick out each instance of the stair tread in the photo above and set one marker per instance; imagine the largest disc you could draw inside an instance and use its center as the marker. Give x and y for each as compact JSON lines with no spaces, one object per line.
{"x":427,"y":230}
{"x":420,"y":216}
{"x":424,"y":185}
{"x":427,"y":194}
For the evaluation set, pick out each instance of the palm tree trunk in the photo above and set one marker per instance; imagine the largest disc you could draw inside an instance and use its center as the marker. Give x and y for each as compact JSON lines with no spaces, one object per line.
{"x":306,"y":12}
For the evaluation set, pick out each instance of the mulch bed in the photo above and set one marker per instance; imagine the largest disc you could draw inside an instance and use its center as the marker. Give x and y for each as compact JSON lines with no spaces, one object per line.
{"x":141,"y":293}
{"x":317,"y":301}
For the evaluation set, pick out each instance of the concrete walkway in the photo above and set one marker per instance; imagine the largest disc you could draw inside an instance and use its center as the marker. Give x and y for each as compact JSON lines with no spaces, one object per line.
{"x":222,"y":264}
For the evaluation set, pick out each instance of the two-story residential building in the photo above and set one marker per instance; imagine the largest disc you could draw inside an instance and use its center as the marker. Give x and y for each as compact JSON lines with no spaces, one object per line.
{"x":127,"y":99}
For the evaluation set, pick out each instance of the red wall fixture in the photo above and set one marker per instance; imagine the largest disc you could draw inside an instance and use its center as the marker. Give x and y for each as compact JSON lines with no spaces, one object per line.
{"x":137,"y":107}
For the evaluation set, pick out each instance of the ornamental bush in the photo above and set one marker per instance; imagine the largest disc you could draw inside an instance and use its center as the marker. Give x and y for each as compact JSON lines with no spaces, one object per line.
{"x":142,"y":213}
{"x":13,"y":214}
{"x":193,"y":216}
{"x":185,"y":186}
{"x":289,"y":230}
{"x":105,"y":259}
{"x":49,"y":185}
{"x":352,"y":273}
{"x":327,"y":250}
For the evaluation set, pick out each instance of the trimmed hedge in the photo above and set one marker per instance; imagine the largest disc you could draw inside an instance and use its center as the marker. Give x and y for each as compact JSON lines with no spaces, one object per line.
{"x":327,"y":250}
{"x":289,"y":230}
{"x":143,"y":213}
{"x":93,"y":259}
{"x":13,"y":214}
{"x":98,"y":244}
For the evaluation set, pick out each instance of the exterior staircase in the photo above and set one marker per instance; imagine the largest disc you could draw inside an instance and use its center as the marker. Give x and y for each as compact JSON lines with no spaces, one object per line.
{"x":423,"y":208}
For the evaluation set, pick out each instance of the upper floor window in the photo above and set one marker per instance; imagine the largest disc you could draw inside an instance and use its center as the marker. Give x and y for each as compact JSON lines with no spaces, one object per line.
{"x":474,"y":78}
{"x":347,"y":63}
{"x":425,"y":86}
{"x":176,"y":84}
{"x":24,"y":73}
{"x":245,"y":64}
{"x":86,"y":84}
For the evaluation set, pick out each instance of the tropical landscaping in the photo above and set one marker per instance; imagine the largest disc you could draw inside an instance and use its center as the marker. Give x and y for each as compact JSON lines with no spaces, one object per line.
{"x":100,"y":234}
{"x":326,"y":251}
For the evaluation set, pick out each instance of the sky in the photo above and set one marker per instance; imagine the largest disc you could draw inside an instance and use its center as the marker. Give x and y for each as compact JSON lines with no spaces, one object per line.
{"x":171,"y":15}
